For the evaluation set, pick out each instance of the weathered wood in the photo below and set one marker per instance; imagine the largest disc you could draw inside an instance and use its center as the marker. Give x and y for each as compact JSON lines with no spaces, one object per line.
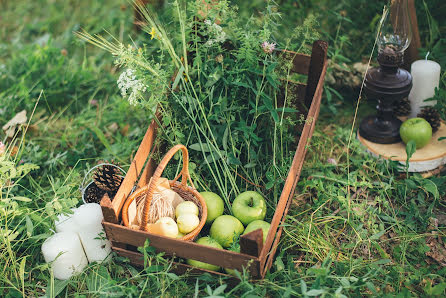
{"x":184,"y":249}
{"x":301,"y":62}
{"x":107,"y":209}
{"x":318,"y":60}
{"x":313,"y":114}
{"x":137,"y":259}
{"x":296,"y":165}
{"x":252,"y":243}
{"x":135,"y":168}
{"x":412,"y":53}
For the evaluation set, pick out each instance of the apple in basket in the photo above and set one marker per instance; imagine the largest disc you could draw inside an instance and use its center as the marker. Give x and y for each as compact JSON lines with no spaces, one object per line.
{"x":187,"y":217}
{"x":165,"y":226}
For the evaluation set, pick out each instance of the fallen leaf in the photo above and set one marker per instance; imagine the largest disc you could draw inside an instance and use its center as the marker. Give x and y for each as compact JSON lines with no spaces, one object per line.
{"x":17,"y":120}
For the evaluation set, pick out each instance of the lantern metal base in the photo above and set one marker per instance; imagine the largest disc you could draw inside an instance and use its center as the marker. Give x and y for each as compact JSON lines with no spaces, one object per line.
{"x":379,"y":131}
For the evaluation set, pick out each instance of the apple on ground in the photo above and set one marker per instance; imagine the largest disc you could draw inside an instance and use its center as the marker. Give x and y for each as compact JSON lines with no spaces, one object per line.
{"x":249,"y":206}
{"x":418,"y":130}
{"x":225,"y":228}
{"x":215,"y":205}
{"x":187,"y":222}
{"x":186,"y":207}
{"x":258,"y":224}
{"x":208,"y":241}
{"x":164,"y":226}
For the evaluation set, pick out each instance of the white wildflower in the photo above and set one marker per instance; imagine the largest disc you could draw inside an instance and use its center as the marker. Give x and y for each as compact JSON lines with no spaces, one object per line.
{"x":130,"y":86}
{"x":215,"y":33}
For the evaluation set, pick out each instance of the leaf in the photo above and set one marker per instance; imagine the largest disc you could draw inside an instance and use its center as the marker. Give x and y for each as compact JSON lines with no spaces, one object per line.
{"x":303,"y":287}
{"x":22,"y":199}
{"x":441,"y":138}
{"x":18,"y":119}
{"x":411,"y":147}
{"x":377,"y":235}
{"x":315,"y":292}
{"x":202,"y":147}
{"x":178,"y":77}
{"x":29,"y":226}
{"x":431,"y":187}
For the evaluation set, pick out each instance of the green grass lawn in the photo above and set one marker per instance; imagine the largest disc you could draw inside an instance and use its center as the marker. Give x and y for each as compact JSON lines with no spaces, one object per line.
{"x":356,"y":226}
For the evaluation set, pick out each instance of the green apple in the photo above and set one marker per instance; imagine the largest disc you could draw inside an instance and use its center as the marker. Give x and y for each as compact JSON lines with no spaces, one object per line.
{"x":249,"y":206}
{"x":208,"y":241}
{"x":225,"y":228}
{"x":215,"y":205}
{"x":258,"y":224}
{"x":418,"y":130}
{"x":186,"y":207}
{"x":187,"y":222}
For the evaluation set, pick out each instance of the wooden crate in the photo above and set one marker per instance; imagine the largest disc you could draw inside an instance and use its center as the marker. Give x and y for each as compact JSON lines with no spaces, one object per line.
{"x":254,"y":255}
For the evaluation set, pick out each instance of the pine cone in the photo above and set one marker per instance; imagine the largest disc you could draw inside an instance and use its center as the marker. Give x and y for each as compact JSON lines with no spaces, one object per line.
{"x":93,"y":194}
{"x":402,"y":107}
{"x":432,"y":116}
{"x":107,"y":178}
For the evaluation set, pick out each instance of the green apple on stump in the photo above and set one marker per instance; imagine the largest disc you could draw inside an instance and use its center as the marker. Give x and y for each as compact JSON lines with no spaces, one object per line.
{"x":418,"y":130}
{"x":208,"y":241}
{"x":258,"y":224}
{"x":249,"y":206}
{"x":225,"y":228}
{"x":215,"y":205}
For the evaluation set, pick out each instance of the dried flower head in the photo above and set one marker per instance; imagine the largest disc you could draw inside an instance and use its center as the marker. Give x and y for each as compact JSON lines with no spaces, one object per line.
{"x":268,"y":47}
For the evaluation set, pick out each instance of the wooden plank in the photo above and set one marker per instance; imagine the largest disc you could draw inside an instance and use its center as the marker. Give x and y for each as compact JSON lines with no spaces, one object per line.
{"x":184,"y":249}
{"x":318,"y":59}
{"x":179,"y":268}
{"x":301,"y":62}
{"x":412,"y":53}
{"x":294,"y":172}
{"x":252,"y":243}
{"x":135,"y":169}
{"x":314,"y":113}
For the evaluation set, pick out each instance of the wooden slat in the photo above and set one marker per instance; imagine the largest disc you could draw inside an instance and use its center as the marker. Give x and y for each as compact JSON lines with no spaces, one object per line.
{"x":179,"y":268}
{"x":134,"y":170}
{"x":252,"y":243}
{"x":296,"y":165}
{"x":412,"y":53}
{"x":313,"y":114}
{"x":318,"y":59}
{"x":184,"y":249}
{"x":301,"y":62}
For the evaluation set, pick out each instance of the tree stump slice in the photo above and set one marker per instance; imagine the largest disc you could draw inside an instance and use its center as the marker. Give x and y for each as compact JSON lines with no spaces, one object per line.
{"x":428,"y":158}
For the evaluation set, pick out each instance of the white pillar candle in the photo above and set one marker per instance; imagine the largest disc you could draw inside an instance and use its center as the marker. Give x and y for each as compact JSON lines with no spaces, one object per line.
{"x":65,"y":222}
{"x":65,"y":252}
{"x":88,"y":220}
{"x":426,"y":77}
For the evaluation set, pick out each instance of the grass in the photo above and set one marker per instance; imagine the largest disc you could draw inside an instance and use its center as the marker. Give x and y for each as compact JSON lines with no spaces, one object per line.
{"x":378,"y":233}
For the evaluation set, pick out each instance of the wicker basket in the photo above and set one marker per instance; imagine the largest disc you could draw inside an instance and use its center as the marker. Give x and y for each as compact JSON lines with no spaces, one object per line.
{"x":186,"y":192}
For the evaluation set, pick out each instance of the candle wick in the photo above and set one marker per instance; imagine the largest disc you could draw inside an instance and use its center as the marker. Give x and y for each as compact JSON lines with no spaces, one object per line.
{"x":427,"y":54}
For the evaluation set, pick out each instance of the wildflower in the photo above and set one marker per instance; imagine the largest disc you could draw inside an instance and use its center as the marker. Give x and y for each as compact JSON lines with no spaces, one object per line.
{"x":332,"y":161}
{"x":94,"y":102}
{"x":2,"y":148}
{"x":268,"y":47}
{"x":130,"y":86}
{"x":153,"y":33}
{"x":215,"y":33}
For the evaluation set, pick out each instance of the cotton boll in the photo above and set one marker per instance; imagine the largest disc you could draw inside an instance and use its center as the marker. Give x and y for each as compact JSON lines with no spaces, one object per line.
{"x":65,"y":252}
{"x":88,"y":218}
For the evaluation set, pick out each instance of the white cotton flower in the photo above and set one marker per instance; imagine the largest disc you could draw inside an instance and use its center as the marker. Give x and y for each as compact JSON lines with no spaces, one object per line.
{"x":215,"y":33}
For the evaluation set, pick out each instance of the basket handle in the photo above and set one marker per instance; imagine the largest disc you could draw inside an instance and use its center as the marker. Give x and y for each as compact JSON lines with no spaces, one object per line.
{"x":158,"y":172}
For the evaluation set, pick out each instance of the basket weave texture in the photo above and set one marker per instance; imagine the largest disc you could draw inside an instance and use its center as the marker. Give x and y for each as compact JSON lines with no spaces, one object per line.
{"x":188,"y":193}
